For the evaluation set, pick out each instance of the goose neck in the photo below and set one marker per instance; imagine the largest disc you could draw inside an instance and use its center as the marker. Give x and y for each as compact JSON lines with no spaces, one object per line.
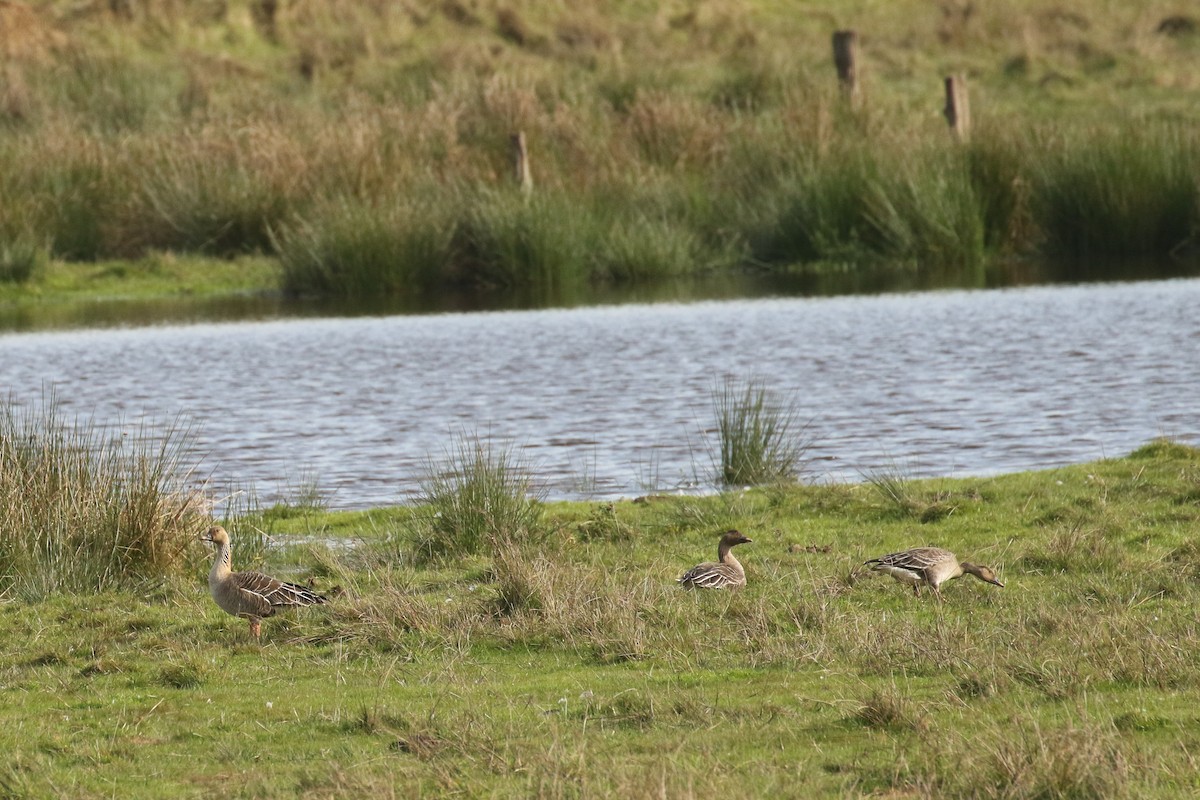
{"x":222,"y":562}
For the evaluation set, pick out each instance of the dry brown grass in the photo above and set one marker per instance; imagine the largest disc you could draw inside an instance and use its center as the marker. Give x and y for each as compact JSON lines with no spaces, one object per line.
{"x":89,"y":508}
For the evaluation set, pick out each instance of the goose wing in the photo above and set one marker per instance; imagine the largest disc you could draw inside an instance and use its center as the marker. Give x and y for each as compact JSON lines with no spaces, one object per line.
{"x":262,"y":594}
{"x":918,"y":559}
{"x":712,"y":575}
{"x":916,"y":566}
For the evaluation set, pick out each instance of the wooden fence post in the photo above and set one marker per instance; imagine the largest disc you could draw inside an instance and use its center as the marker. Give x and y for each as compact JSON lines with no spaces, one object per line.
{"x":520,"y":159}
{"x":845,"y":58}
{"x":958,"y":106}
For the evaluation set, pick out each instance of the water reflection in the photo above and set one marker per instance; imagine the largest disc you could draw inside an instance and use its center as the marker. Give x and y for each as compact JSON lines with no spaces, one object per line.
{"x":828,"y":281}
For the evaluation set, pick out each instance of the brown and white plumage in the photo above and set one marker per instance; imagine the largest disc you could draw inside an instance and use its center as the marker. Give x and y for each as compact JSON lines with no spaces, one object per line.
{"x":250,"y":595}
{"x":724,"y":573}
{"x":929,"y":566}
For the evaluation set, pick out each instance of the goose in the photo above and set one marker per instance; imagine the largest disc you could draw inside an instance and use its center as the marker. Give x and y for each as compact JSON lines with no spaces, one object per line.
{"x":250,"y":595}
{"x":930,"y":566}
{"x":724,"y":573}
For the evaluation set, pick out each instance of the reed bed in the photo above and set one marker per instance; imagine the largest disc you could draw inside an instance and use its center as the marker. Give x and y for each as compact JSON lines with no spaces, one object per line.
{"x":661,"y":146}
{"x":87,"y":507}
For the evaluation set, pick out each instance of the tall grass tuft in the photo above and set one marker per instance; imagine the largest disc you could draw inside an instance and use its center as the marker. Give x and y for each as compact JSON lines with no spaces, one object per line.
{"x":642,"y":248}
{"x":928,"y":216}
{"x":87,"y":508}
{"x":1106,"y":195}
{"x":19,"y":260}
{"x":761,"y":439}
{"x":1082,"y":762}
{"x":995,"y":162}
{"x":899,"y":491}
{"x":480,"y":495}
{"x":856,"y":206}
{"x":189,"y":203}
{"x":351,"y":248}
{"x":506,"y":239}
{"x":64,"y":196}
{"x":889,"y":708}
{"x":814,"y":213}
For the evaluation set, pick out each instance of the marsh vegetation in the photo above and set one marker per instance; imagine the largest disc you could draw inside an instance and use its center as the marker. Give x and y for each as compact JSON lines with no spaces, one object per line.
{"x":88,"y":507}
{"x":365,"y":148}
{"x":558,"y":658}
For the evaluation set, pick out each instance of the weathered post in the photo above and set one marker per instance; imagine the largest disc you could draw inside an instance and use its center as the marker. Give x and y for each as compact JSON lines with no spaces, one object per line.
{"x":958,"y":106}
{"x":520,"y":159}
{"x":845,"y":58}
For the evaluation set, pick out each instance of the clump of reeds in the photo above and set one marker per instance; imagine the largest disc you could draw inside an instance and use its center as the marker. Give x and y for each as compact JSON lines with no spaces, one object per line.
{"x":506,"y":239}
{"x":354,"y":248}
{"x":894,"y":487}
{"x":19,"y":260}
{"x":480,"y":495}
{"x":1107,"y":194}
{"x":210,"y":195}
{"x":927,"y":215}
{"x":1077,"y":547}
{"x":88,"y":507}
{"x":760,"y":437}
{"x":605,"y":524}
{"x":538,"y":597}
{"x":870,"y":203}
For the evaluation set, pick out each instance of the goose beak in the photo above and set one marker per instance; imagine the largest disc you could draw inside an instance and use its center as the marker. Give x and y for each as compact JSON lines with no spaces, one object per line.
{"x":997,"y":583}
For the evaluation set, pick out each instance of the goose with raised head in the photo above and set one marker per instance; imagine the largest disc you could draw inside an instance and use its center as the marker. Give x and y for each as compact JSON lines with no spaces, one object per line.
{"x":929,"y":566}
{"x":724,"y":573}
{"x":250,"y":595}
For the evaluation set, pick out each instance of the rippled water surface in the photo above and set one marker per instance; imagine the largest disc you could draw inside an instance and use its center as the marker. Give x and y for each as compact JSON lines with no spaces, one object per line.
{"x":615,"y":401}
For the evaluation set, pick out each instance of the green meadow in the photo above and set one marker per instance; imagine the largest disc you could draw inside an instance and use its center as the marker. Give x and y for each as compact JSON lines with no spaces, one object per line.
{"x":363,"y":149}
{"x":554,"y":656}
{"x":483,"y":643}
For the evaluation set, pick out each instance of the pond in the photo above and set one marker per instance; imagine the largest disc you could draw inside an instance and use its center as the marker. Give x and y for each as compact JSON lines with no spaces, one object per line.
{"x":617,"y":401}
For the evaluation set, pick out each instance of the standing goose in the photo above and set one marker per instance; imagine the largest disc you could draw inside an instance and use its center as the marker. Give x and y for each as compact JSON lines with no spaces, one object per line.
{"x":724,"y":573}
{"x":930,"y":566}
{"x":250,"y":595}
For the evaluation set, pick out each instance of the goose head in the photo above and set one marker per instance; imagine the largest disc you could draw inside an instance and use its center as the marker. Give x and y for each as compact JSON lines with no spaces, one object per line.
{"x":217,"y":535}
{"x":984,"y":574}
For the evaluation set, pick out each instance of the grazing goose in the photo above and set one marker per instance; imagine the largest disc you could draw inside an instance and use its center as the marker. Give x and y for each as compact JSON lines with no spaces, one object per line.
{"x":932,"y":566}
{"x":724,"y":573}
{"x":250,"y":595}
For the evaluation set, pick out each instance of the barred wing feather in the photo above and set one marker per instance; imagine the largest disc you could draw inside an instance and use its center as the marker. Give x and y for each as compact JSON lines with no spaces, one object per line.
{"x":262,"y":594}
{"x":712,"y":576}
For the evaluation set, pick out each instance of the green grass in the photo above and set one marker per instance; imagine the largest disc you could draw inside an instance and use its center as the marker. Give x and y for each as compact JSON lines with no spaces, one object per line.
{"x":572,"y":666}
{"x":161,"y":275}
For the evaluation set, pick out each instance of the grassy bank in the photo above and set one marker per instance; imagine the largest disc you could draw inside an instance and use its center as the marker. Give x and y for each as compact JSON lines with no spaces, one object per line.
{"x":366,"y":148}
{"x":157,"y":275}
{"x":568,"y":664}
